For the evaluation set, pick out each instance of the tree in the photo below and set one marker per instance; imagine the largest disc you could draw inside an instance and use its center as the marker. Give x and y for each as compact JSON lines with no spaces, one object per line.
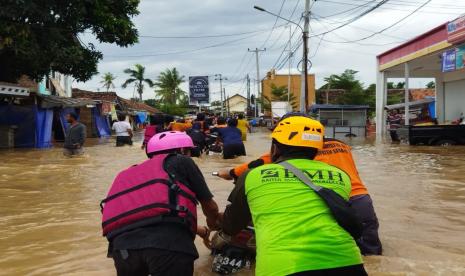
{"x":431,"y":85}
{"x":107,"y":81}
{"x":168,"y":83}
{"x":37,"y":37}
{"x":399,"y":85}
{"x":137,"y":76}
{"x":279,"y":93}
{"x":354,"y":92}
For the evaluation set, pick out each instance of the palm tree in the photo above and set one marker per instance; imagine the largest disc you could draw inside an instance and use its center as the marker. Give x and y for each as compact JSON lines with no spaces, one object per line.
{"x":137,"y":76}
{"x":168,"y":87}
{"x":107,"y":81}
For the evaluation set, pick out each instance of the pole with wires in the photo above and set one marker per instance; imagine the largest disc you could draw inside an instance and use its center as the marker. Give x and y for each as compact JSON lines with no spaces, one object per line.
{"x":259,"y":94}
{"x":220,"y":78}
{"x":289,"y":77}
{"x":304,"y":80}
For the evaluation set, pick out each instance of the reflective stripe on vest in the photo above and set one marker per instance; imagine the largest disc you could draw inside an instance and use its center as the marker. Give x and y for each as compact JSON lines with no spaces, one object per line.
{"x":144,"y":192}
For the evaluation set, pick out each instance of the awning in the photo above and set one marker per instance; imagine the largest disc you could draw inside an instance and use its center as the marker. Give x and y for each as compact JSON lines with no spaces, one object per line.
{"x":316,"y":107}
{"x":13,"y":90}
{"x":410,"y":104}
{"x":47,"y":101}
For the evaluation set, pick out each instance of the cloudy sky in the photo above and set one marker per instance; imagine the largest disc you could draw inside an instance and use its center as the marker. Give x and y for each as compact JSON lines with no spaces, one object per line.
{"x":212,"y":37}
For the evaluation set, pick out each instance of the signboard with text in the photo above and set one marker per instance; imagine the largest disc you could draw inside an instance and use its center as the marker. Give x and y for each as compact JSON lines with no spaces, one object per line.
{"x":456,"y":30}
{"x":199,"y":92}
{"x":460,"y":58}
{"x":448,"y":61}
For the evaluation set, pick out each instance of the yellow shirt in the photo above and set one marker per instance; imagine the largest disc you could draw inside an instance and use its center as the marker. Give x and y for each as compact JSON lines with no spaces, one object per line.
{"x":243,"y":125}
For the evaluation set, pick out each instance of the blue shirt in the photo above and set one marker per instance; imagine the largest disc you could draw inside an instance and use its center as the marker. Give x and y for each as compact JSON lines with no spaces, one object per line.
{"x":230,"y":135}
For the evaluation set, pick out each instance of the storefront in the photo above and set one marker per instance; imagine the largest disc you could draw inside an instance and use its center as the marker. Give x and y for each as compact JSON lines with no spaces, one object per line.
{"x":439,"y":54}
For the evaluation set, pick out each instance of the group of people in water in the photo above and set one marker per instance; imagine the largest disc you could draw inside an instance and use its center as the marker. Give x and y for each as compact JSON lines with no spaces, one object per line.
{"x":311,"y":213}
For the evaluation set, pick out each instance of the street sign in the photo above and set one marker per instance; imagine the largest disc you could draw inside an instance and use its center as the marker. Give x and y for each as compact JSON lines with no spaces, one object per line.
{"x":199,"y":92}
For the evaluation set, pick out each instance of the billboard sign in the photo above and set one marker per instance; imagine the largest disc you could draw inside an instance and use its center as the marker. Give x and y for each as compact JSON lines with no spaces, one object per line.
{"x":448,"y":61}
{"x":456,"y":30}
{"x":199,"y":92}
{"x":460,"y":57}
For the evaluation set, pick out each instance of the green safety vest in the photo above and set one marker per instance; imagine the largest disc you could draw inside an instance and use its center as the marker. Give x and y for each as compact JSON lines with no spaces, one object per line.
{"x":294,"y":228}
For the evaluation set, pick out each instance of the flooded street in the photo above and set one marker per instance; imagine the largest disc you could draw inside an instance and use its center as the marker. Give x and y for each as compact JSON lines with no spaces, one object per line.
{"x":50,"y":217}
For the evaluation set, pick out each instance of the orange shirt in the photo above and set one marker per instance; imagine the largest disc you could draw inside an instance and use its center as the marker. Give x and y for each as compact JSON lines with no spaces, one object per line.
{"x":175,"y":126}
{"x":334,"y":153}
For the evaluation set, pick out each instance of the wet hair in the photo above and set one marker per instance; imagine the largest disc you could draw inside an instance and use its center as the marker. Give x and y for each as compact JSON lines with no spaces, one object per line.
{"x":181,"y":121}
{"x":232,"y":122}
{"x":200,"y":116}
{"x":168,"y":119}
{"x":240,"y":116}
{"x":209,"y":121}
{"x":294,"y":151}
{"x":121,"y":117}
{"x":221,"y":121}
{"x":73,"y":115}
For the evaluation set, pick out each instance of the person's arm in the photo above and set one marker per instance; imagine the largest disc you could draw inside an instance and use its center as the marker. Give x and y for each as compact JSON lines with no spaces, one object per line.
{"x":129,"y":130}
{"x":82,"y":136}
{"x":186,"y":170}
{"x":242,"y":168}
{"x":237,"y":215}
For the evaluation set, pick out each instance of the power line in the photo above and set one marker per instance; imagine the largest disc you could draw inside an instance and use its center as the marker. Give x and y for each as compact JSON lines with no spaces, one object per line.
{"x":274,"y":25}
{"x":390,"y":26}
{"x":282,"y":32}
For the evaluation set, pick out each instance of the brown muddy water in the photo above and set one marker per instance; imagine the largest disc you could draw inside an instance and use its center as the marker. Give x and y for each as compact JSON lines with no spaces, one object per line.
{"x":50,"y":218}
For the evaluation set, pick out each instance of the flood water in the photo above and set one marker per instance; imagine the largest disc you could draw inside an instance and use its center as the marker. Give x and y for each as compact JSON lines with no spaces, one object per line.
{"x":50,"y":218}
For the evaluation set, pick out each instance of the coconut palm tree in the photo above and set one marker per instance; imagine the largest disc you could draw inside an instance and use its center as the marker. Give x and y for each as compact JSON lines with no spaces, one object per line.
{"x":107,"y":81}
{"x":137,"y":76}
{"x":168,"y":87}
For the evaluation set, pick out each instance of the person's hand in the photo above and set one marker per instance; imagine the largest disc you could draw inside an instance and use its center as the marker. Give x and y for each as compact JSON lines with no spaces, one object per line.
{"x":204,"y":233}
{"x":225,"y":174}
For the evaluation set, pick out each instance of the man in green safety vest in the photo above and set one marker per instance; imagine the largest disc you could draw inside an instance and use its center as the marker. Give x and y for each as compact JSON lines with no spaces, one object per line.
{"x":296,"y":233}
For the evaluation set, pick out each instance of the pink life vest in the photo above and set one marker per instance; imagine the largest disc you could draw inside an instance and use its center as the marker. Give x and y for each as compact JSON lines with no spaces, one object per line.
{"x":145,"y":194}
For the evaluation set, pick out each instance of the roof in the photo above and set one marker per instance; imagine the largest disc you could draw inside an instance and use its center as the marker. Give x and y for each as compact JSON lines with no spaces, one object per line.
{"x":337,"y":107}
{"x":411,"y":104}
{"x":48,"y":101}
{"x":97,"y":96}
{"x":136,"y":106}
{"x":236,"y":95}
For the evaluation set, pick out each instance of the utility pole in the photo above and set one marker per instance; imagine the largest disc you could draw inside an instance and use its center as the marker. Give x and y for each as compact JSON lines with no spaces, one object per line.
{"x":226,"y":102}
{"x":256,"y":51}
{"x":289,"y":77}
{"x":220,"y":78}
{"x":304,"y":81}
{"x":248,"y":95}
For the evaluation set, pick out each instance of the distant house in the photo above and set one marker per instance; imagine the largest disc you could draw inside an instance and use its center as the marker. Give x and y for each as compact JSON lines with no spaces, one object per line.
{"x":236,"y":104}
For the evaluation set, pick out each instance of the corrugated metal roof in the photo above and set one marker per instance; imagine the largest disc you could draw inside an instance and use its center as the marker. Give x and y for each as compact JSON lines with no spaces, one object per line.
{"x":410,"y":104}
{"x":47,"y":101}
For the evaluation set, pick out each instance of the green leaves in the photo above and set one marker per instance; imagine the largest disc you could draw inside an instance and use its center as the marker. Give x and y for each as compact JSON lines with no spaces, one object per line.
{"x":37,"y":36}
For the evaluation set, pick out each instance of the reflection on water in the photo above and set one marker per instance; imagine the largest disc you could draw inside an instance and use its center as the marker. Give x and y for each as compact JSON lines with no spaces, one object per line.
{"x":50,"y":219}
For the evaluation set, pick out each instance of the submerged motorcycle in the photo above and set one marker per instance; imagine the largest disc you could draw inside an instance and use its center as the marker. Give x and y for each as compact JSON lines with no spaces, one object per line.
{"x":232,"y":254}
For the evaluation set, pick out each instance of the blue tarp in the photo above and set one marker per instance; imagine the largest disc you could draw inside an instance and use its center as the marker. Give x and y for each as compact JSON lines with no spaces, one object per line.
{"x":141,"y":117}
{"x":101,"y":123}
{"x":44,"y":121}
{"x":22,"y":119}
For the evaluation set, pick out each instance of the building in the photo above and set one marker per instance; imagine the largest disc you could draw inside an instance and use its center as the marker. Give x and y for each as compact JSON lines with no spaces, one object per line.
{"x":439,"y":54}
{"x":345,"y":120}
{"x":236,"y":104}
{"x":280,"y":80}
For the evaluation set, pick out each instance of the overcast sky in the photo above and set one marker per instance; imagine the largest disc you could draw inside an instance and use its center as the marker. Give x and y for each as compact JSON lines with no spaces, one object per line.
{"x":228,"y":54}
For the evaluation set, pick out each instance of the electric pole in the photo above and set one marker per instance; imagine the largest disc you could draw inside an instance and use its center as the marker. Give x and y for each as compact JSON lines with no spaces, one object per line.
{"x":289,"y":77}
{"x":220,"y":78}
{"x":259,"y":94}
{"x":304,"y":81}
{"x":248,"y":95}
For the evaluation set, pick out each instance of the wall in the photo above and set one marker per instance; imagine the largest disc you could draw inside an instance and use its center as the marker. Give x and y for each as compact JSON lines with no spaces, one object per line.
{"x":282,"y":80}
{"x":237,"y":104}
{"x":454,"y":99}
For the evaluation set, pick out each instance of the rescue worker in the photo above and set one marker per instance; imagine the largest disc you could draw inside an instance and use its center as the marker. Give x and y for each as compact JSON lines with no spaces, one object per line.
{"x":296,"y":233}
{"x":149,"y":215}
{"x":338,"y":154}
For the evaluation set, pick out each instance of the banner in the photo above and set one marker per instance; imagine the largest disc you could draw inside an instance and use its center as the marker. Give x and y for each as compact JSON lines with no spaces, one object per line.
{"x":448,"y":61}
{"x":199,"y":92}
{"x":456,"y":30}
{"x":460,"y":58}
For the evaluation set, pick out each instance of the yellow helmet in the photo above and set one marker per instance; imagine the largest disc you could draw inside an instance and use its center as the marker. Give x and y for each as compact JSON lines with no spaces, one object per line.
{"x":299,"y":131}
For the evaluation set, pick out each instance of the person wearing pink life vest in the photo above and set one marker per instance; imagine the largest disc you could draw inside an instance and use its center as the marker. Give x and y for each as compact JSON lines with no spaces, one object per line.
{"x":150,"y":213}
